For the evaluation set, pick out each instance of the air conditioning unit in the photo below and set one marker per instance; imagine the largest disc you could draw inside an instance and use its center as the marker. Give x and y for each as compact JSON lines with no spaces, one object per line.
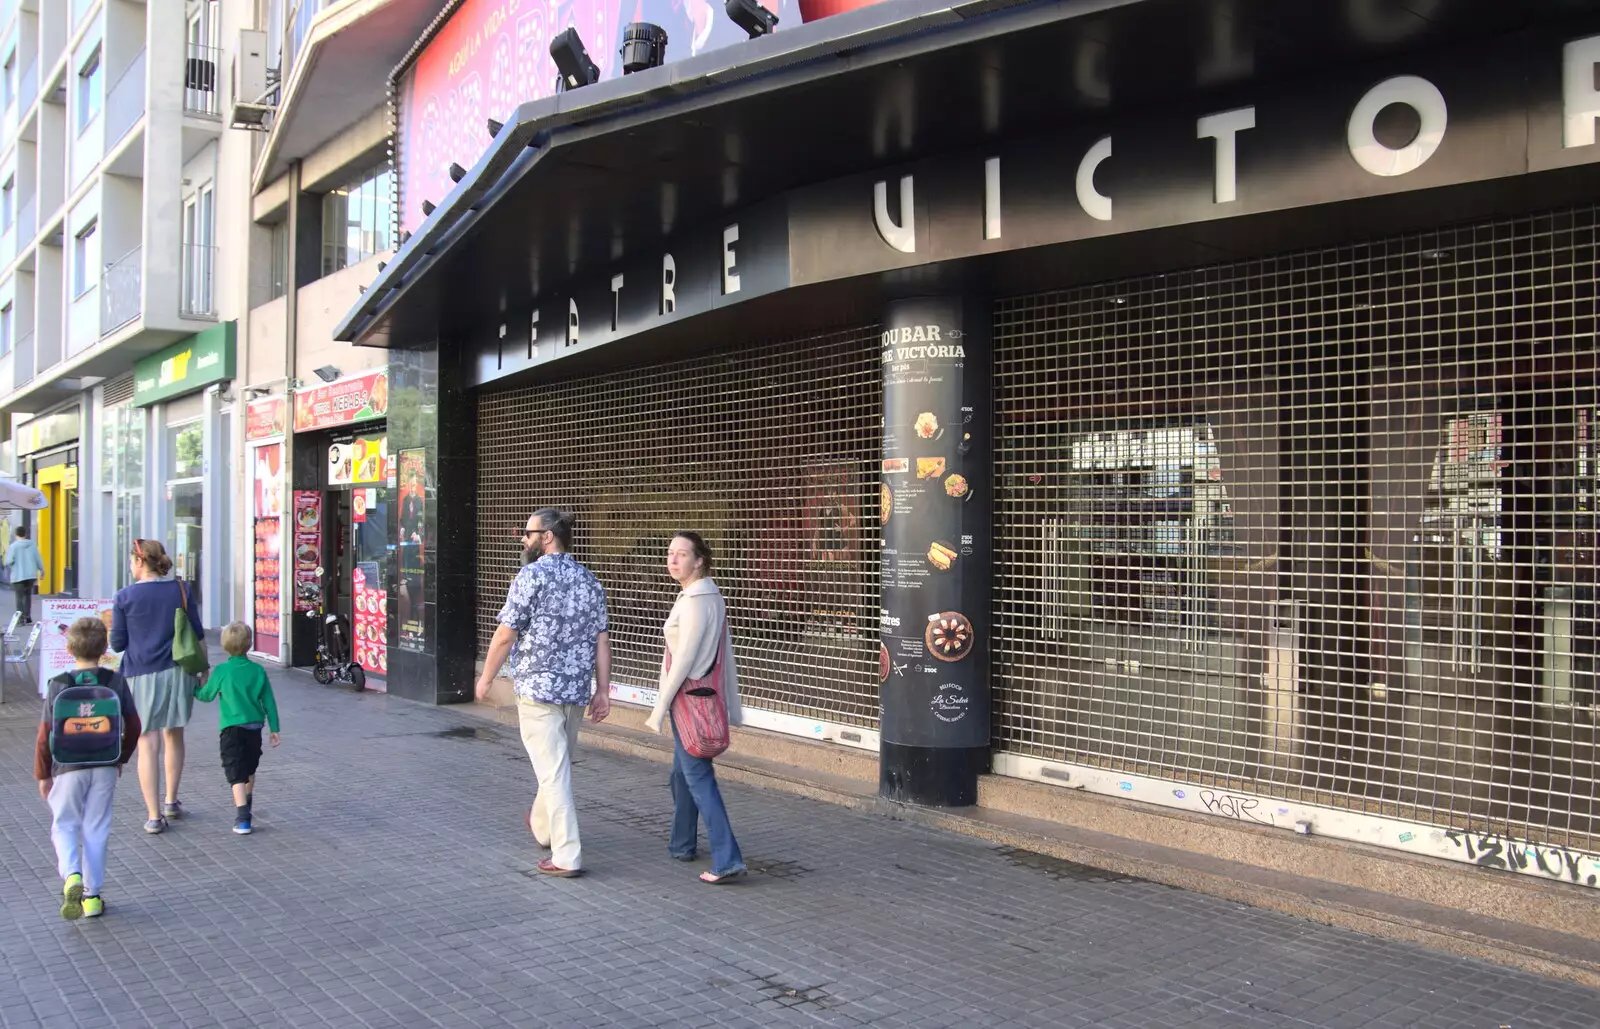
{"x":250,"y":65}
{"x":251,"y":92}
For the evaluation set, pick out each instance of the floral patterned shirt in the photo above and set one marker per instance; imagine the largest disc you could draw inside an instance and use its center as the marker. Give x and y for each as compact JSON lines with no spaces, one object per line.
{"x":558,"y":608}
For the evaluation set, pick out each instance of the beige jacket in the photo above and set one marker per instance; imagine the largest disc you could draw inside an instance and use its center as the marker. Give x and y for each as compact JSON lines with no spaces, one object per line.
{"x":693,"y":631}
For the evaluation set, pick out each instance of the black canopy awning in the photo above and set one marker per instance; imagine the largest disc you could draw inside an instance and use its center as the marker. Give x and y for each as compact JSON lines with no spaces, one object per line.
{"x":589,"y":179}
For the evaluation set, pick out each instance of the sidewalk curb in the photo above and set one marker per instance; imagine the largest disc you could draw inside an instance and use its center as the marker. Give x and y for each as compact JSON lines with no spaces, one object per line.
{"x":1463,"y":934}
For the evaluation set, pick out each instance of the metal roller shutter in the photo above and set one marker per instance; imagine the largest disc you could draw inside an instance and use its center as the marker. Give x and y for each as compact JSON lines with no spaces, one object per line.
{"x":769,"y":451}
{"x":1319,"y":525}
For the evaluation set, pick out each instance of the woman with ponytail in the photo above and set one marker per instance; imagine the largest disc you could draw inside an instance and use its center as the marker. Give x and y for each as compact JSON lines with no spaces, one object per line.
{"x":141,"y":629}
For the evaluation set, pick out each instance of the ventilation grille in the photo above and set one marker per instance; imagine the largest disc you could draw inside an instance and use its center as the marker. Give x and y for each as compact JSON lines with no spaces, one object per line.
{"x":117,"y":391}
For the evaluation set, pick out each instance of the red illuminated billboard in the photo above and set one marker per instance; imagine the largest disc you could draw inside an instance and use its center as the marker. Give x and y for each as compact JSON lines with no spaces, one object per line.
{"x":491,"y":55}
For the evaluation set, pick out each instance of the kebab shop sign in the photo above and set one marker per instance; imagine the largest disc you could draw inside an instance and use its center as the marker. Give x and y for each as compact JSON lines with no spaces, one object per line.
{"x":358,"y":398}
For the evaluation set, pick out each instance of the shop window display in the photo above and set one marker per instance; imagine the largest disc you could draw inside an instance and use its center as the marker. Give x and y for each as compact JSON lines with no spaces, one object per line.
{"x":184,"y":498}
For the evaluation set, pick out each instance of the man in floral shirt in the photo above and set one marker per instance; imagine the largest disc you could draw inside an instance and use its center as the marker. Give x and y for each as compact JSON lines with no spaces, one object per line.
{"x":554,"y":628}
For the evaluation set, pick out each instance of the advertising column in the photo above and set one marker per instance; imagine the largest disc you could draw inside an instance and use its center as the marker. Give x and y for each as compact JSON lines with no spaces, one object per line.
{"x":936,"y":505}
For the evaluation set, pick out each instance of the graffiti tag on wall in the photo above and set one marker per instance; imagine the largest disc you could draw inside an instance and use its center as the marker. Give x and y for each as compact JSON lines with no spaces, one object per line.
{"x":1245,"y":809}
{"x":1487,"y":850}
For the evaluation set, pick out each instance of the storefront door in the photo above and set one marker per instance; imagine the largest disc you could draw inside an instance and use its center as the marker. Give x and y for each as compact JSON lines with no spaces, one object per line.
{"x":58,"y":528}
{"x":358,"y":556}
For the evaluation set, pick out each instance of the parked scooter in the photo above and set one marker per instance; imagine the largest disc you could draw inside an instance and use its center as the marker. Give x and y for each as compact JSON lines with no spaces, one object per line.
{"x":333,"y":662}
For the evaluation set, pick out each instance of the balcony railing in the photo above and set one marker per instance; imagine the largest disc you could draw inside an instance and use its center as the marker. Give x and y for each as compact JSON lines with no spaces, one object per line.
{"x":199,"y":298}
{"x":119,"y":291}
{"x":126,"y":102}
{"x":27,"y":222}
{"x":28,"y":88}
{"x":202,"y":81}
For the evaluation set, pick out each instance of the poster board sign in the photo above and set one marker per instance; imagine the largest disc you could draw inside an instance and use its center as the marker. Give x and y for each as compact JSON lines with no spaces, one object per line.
{"x":266,"y":418}
{"x":360,"y":398}
{"x":413,"y":506}
{"x":307,"y":549}
{"x":55,"y":617}
{"x":268,"y":464}
{"x":360,"y":461}
{"x":371,"y":623}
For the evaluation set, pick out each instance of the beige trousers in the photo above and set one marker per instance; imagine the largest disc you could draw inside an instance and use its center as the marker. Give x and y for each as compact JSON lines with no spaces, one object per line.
{"x":550,"y":733}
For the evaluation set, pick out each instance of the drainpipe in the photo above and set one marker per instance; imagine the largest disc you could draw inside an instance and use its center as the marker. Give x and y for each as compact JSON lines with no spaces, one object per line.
{"x":291,"y":306}
{"x":291,"y":357}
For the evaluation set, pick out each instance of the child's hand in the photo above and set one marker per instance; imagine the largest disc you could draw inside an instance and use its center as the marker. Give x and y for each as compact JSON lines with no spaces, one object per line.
{"x":274,"y":738}
{"x":44,"y":789}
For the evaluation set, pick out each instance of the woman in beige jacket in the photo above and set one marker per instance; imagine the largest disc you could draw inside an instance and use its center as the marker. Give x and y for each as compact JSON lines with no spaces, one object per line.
{"x":696,"y":639}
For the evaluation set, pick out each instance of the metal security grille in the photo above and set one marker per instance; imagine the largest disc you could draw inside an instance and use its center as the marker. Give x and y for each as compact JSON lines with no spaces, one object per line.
{"x":1320,"y":525}
{"x":768,"y":451}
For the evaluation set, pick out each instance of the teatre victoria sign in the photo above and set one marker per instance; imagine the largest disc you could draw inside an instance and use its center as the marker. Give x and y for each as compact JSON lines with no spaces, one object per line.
{"x":1477,"y":114}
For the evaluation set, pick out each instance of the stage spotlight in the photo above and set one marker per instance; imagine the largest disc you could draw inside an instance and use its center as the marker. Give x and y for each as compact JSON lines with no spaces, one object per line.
{"x":572,"y":60}
{"x":752,"y":17}
{"x":495,"y":127}
{"x":643,"y":46}
{"x":457,"y":173}
{"x":427,"y":208}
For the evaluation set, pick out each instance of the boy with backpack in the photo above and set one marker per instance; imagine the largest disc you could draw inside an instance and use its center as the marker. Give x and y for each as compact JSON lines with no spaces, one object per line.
{"x":89,"y":731}
{"x":247,"y":705}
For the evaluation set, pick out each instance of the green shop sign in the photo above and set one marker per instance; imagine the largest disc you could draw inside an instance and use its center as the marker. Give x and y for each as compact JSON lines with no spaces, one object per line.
{"x":186,"y":366}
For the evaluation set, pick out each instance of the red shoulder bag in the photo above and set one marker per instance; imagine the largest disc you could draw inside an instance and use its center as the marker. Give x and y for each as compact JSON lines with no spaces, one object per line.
{"x":700,"y":710}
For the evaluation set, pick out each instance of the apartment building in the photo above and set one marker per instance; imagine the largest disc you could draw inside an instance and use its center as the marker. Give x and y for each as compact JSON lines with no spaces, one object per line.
{"x":313,"y":530}
{"x":118,"y":321}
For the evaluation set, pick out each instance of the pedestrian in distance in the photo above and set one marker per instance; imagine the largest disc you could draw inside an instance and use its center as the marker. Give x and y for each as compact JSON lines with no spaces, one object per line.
{"x":555,"y":630}
{"x":247,"y":705}
{"x":89,"y":731}
{"x":25,"y":564}
{"x":142,"y":631}
{"x":697,"y":643}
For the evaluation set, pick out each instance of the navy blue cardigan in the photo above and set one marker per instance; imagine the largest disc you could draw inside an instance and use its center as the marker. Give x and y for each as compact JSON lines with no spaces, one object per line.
{"x":141,"y":624}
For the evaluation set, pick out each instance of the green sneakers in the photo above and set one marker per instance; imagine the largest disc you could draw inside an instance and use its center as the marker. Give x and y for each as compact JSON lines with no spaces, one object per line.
{"x":93,"y":907}
{"x":72,"y":897}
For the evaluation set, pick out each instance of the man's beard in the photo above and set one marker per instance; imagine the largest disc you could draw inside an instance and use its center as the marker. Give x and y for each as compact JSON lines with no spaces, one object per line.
{"x":530,"y":555}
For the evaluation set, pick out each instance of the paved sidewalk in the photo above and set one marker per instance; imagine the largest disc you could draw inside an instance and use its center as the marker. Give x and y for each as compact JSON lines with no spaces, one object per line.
{"x":391,"y":883}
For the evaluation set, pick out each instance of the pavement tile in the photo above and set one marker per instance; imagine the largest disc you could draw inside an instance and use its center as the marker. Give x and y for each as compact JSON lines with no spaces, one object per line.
{"x":391,"y":884}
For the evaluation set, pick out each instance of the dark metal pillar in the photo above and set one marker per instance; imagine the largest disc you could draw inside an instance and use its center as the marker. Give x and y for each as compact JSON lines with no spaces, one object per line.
{"x":938,"y":471}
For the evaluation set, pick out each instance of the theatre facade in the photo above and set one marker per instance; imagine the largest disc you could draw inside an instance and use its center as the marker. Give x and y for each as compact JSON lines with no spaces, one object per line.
{"x":1198,"y":410}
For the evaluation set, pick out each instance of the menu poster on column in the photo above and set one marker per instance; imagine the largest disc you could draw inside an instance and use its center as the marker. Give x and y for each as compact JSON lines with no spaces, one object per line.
{"x":370,"y":626}
{"x":307,"y":549}
{"x":933,"y":662}
{"x":413,"y":504}
{"x":268,"y":525}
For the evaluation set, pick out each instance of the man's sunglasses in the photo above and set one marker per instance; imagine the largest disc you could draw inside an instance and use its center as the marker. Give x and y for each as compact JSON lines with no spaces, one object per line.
{"x":523,"y":534}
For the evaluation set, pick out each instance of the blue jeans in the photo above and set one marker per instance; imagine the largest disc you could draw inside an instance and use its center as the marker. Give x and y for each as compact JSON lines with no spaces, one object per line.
{"x":695,"y":797}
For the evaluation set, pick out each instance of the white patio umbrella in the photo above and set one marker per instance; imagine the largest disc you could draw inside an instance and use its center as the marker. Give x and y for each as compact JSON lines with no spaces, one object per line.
{"x":14,"y":496}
